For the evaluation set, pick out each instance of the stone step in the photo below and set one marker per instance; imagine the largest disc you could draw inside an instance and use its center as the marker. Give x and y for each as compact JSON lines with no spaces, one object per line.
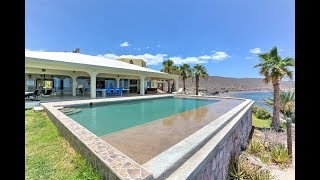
{"x":38,"y":109}
{"x":72,"y":112}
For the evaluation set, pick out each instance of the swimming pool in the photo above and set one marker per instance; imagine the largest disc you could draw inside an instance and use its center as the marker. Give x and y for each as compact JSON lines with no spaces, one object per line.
{"x":102,"y":119}
{"x":182,"y":143}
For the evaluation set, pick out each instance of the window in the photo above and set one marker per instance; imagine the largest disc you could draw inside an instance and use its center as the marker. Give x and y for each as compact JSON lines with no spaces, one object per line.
{"x":48,"y":84}
{"x":131,"y":62}
{"x":30,"y":82}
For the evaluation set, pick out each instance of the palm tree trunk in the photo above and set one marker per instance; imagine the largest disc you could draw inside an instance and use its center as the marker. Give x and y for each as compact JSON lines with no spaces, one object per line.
{"x":275,"y":124}
{"x":197,"y":84}
{"x":184,"y":83}
{"x":168,"y":86}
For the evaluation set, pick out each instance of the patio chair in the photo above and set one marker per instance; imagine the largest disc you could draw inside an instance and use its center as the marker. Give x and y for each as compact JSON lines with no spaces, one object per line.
{"x":120,"y":91}
{"x":48,"y":93}
{"x":29,"y":95}
{"x":160,"y":92}
{"x":36,"y":94}
{"x":178,"y":92}
{"x":108,"y":91}
{"x":115,"y":91}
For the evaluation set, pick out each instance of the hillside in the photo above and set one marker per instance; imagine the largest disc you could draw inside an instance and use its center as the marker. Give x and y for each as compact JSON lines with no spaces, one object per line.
{"x":217,"y":83}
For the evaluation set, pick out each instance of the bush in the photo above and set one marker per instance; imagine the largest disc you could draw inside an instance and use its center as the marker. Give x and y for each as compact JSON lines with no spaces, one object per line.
{"x":241,"y":169}
{"x":237,"y":171}
{"x":254,"y":109}
{"x":255,"y":147}
{"x":256,"y":175}
{"x":279,"y":154}
{"x":262,"y":113}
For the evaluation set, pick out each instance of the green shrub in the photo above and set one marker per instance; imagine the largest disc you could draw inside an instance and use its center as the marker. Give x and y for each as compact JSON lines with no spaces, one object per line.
{"x":264,"y":156}
{"x":243,"y":170}
{"x":255,"y":109}
{"x":255,"y":147}
{"x":257,"y":175}
{"x":236,"y":171}
{"x":279,"y":154}
{"x":262,"y":113}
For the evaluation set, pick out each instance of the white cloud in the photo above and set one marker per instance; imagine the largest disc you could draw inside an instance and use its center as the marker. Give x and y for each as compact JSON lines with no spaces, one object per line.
{"x":149,"y":58}
{"x":147,"y":47}
{"x":160,"y":57}
{"x":248,"y":57}
{"x":206,"y":57}
{"x":219,"y":56}
{"x":124,"y":44}
{"x":27,"y":49}
{"x":255,"y":51}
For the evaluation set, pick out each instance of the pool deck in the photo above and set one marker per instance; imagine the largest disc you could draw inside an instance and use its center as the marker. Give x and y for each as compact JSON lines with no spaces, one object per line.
{"x":157,"y":136}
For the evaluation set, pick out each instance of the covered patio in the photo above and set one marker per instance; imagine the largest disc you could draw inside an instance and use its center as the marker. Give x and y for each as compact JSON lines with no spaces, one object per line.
{"x":77,"y":76}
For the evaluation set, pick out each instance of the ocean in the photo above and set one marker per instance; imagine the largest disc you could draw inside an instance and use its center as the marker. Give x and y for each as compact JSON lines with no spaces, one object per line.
{"x":258,"y":97}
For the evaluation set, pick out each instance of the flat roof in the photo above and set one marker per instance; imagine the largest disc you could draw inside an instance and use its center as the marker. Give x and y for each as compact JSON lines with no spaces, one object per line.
{"x":77,"y":58}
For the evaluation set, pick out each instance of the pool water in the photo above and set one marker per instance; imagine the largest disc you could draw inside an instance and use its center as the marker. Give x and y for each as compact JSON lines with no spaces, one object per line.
{"x":105,"y":119}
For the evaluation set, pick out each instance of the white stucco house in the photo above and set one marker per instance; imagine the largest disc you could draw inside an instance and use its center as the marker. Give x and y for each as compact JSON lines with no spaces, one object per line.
{"x":65,"y":72}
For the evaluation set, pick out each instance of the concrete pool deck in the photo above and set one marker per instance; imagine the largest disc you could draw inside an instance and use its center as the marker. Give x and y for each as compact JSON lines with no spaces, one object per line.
{"x":155,"y":137}
{"x":112,"y":163}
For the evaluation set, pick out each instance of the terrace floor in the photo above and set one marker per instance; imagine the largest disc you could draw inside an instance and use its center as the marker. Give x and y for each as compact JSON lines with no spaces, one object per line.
{"x":30,"y":104}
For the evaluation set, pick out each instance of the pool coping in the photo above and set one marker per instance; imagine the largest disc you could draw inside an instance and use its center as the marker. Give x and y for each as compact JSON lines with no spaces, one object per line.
{"x":123,"y":166}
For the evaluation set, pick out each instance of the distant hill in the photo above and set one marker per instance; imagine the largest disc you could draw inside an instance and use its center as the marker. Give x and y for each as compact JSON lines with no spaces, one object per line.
{"x":218,"y":83}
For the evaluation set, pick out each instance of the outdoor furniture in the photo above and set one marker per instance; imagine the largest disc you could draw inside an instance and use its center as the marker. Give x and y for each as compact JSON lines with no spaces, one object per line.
{"x":152,"y":90}
{"x":115,"y":91}
{"x":120,"y":91}
{"x":108,"y":91}
{"x":27,"y":95}
{"x":178,"y":92}
{"x":102,"y":92}
{"x":48,"y":93}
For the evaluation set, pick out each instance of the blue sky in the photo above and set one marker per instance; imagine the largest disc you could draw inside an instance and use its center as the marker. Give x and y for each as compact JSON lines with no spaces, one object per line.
{"x":223,"y":35}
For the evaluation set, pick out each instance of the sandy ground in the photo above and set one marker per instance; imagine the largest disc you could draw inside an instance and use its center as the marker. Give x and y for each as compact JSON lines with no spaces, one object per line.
{"x":288,"y":173}
{"x":281,"y":174}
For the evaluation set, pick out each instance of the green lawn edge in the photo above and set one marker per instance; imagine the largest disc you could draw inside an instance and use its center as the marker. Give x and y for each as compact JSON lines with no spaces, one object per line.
{"x":48,"y":155}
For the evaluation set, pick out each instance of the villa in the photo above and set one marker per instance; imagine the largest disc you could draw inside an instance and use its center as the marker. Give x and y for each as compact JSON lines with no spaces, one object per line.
{"x":65,"y":72}
{"x":137,"y":135}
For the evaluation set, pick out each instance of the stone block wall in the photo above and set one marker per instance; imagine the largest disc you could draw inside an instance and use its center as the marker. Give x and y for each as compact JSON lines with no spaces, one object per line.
{"x":231,"y":144}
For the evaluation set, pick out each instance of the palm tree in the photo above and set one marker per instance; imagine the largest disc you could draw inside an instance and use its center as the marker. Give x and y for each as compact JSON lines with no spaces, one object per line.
{"x":170,"y":68}
{"x":185,"y":72}
{"x":176,"y":71}
{"x":287,"y":106}
{"x":199,"y":71}
{"x":274,"y":68}
{"x":287,"y":103}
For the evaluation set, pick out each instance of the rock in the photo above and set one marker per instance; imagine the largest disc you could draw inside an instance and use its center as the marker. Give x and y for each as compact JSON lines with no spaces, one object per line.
{"x":251,"y":159}
{"x":255,"y":161}
{"x":264,"y":169}
{"x":38,"y":109}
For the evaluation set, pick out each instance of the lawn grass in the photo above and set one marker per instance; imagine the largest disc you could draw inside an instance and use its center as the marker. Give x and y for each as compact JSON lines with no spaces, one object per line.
{"x":260,"y":123}
{"x":48,"y":155}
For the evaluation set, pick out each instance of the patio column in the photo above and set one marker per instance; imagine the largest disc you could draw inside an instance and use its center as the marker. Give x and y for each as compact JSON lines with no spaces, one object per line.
{"x":93,"y":82}
{"x":142,"y":85}
{"x":74,"y":85}
{"x":176,"y":84}
{"x":118,"y":82}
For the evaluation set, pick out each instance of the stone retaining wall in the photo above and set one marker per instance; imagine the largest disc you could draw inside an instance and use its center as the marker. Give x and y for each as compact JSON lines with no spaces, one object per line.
{"x":231,"y":144}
